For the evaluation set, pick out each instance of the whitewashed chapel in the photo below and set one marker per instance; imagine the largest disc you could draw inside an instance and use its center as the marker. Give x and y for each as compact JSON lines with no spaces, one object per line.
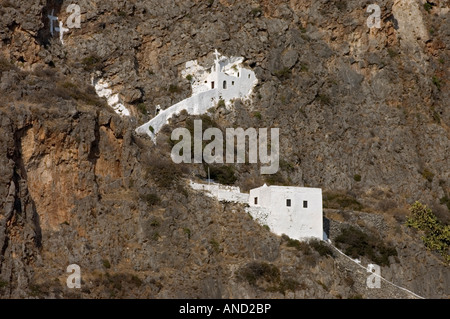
{"x":294,"y":211}
{"x":226,"y":80}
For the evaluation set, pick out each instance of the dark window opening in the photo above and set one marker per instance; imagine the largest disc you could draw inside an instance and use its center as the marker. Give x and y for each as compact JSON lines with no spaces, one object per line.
{"x":212,"y":85}
{"x":288,"y":202}
{"x":232,"y":82}
{"x":256,"y":200}
{"x":224,"y":85}
{"x":305,"y":204}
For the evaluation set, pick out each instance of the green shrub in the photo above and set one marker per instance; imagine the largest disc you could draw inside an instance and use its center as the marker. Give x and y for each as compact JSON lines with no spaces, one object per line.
{"x":338,"y":200}
{"x":286,"y":165}
{"x":3,"y":284}
{"x":136,"y":281}
{"x":392,"y":53}
{"x":257,"y":115}
{"x":189,"y":77}
{"x":287,"y":284}
{"x":269,"y":276}
{"x":291,"y":242}
{"x":44,"y":72}
{"x":427,"y":6}
{"x":356,"y":243}
{"x":324,"y":99}
{"x":188,"y":232}
{"x":221,"y":103}
{"x":5,"y":65}
{"x":276,"y":179}
{"x":341,"y":5}
{"x":436,"y":82}
{"x":256,"y":12}
{"x":207,"y":121}
{"x":174,"y":88}
{"x":118,"y":283}
{"x":283,"y":74}
{"x":155,"y":223}
{"x":436,"y":234}
{"x":68,"y":90}
{"x":428,"y":175}
{"x":37,"y":290}
{"x":445,"y":201}
{"x":151,"y":199}
{"x":436,"y":117}
{"x":215,"y":245}
{"x":142,"y":108}
{"x":106,"y":263}
{"x":164,"y":172}
{"x":92,"y":63}
{"x":155,"y":236}
{"x":224,"y":174}
{"x":299,"y":245}
{"x":304,"y":67}
{"x":321,"y":247}
{"x":357,"y":177}
{"x":255,"y":271}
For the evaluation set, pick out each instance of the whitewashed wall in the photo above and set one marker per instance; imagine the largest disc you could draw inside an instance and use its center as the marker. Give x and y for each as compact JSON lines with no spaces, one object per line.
{"x":295,"y":221}
{"x":222,"y":192}
{"x":102,"y":89}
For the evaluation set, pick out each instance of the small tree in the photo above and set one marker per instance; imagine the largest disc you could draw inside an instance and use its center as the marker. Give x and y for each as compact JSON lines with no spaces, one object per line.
{"x":421,"y":217}
{"x":437,"y":235}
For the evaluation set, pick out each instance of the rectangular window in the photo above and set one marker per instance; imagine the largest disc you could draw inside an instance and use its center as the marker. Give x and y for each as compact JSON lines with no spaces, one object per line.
{"x":288,"y":202}
{"x":212,"y":85}
{"x":305,"y":204}
{"x":256,"y":200}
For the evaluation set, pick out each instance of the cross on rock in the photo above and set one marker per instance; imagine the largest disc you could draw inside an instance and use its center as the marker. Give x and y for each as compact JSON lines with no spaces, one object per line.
{"x":60,"y":28}
{"x":52,"y":19}
{"x":61,"y":31}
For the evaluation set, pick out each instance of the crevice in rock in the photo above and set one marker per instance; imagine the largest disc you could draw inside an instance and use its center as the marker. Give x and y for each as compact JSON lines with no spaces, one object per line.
{"x":22,"y":195}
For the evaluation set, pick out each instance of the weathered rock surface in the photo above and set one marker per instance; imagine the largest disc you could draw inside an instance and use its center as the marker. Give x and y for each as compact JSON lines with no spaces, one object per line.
{"x":78,"y":186}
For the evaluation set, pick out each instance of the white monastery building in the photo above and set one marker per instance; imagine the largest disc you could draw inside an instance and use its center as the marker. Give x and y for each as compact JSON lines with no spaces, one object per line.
{"x":294,"y":211}
{"x":225,"y":80}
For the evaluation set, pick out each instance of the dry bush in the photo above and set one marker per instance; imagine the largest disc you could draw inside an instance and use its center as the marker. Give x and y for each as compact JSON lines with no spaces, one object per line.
{"x":164,"y":172}
{"x":356,"y":243}
{"x":340,"y":200}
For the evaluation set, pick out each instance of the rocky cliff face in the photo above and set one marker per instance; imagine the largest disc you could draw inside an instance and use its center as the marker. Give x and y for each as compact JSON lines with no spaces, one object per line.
{"x":363,"y":113}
